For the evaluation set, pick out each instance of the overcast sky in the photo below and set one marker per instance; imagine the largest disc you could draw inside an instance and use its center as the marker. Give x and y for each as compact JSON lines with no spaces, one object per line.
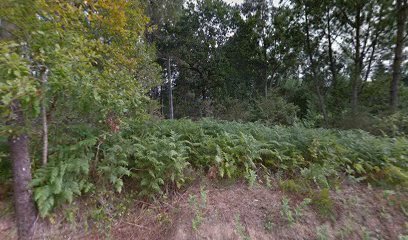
{"x":234,"y":1}
{"x":275,"y":2}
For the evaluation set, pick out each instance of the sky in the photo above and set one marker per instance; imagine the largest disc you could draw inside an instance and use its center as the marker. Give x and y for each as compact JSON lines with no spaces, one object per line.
{"x":234,"y":1}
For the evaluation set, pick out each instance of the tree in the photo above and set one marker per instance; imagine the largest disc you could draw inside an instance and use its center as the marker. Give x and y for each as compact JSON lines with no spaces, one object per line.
{"x":194,"y":45}
{"x":401,"y":9}
{"x":97,"y":59}
{"x":362,"y":23}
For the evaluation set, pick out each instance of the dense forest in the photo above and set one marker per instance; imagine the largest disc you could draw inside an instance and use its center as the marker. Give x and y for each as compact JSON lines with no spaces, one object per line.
{"x":108,"y":108}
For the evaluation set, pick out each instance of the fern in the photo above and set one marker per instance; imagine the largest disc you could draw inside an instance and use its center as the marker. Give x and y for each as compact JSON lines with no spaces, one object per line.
{"x":157,"y":155}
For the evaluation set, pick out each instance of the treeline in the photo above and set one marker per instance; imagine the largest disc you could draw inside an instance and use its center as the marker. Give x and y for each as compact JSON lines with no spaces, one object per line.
{"x":330,"y":62}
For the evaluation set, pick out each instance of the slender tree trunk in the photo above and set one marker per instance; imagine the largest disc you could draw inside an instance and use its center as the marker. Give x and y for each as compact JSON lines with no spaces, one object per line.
{"x":331,"y":54}
{"x":320,"y":97}
{"x":356,"y":78}
{"x":370,"y":61}
{"x":171,"y":110}
{"x":44,"y":80}
{"x":19,"y":155}
{"x":162,"y":100}
{"x":266,"y":88}
{"x":401,"y":8}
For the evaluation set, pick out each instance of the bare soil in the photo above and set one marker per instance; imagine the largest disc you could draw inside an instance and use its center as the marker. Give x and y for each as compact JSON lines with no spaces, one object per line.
{"x":209,"y":210}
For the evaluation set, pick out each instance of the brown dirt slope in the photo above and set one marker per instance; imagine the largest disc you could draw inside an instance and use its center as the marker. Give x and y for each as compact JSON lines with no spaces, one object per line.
{"x":236,"y":211}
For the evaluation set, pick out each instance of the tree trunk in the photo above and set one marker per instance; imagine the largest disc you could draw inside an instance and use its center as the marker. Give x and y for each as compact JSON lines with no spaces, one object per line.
{"x":356,"y":78}
{"x":320,"y":96}
{"x":401,"y":8}
{"x":44,"y":81}
{"x":171,"y":110}
{"x":331,"y":54}
{"x":23,"y":201}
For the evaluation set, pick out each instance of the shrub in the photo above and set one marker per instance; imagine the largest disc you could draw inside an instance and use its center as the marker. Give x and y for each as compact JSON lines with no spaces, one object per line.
{"x":274,"y":110}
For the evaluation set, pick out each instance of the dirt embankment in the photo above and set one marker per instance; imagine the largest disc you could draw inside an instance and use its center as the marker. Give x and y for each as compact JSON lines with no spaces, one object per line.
{"x":237,"y":211}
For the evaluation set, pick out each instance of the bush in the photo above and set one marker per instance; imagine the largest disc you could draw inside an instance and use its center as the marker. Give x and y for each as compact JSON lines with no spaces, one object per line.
{"x":274,"y":110}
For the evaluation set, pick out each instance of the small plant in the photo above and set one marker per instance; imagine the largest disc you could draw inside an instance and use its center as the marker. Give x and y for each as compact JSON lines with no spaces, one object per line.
{"x":198,"y":208}
{"x":345,"y":231}
{"x":268,"y":223}
{"x":323,"y":203}
{"x":366,"y":234}
{"x":322,"y":233}
{"x":250,"y":176}
{"x":268,"y":181}
{"x":403,"y":237}
{"x":286,"y":211}
{"x":240,"y":229}
{"x":292,"y":215}
{"x":300,"y":208}
{"x":290,"y":186}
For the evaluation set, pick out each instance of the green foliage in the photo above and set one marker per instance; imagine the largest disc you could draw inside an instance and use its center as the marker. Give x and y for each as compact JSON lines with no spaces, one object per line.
{"x":114,"y":165}
{"x":274,"y":110}
{"x":319,"y":155}
{"x":5,"y":163}
{"x":391,"y":125}
{"x":242,"y":233}
{"x":159,"y":161}
{"x":198,"y":206}
{"x":65,"y":177}
{"x":293,"y":214}
{"x":322,"y":233}
{"x":323,"y":203}
{"x":291,"y":186}
{"x":16,"y":84}
{"x":158,"y":155}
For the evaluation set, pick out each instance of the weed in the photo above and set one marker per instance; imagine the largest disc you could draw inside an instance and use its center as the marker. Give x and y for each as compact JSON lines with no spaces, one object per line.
{"x":250,"y":176}
{"x":70,"y":213}
{"x":403,"y":237}
{"x":198,"y":206}
{"x":268,"y":223}
{"x":290,"y":186}
{"x":366,"y":234}
{"x":385,"y":214}
{"x":323,"y":203}
{"x":300,"y":208}
{"x":404,"y":208}
{"x":286,"y":211}
{"x":322,"y":232}
{"x":268,"y":181}
{"x":240,"y":228}
{"x":345,"y":231}
{"x":292,"y":215}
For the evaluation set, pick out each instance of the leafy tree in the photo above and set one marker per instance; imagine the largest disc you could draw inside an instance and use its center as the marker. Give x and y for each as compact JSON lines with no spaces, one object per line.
{"x":99,"y":68}
{"x":401,"y":9}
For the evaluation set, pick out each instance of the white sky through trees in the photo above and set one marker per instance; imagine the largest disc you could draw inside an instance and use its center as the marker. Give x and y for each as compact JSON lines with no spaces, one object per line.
{"x":234,"y":1}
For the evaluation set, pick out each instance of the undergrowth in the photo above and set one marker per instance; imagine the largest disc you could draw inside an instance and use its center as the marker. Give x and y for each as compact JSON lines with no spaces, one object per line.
{"x":155,"y":156}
